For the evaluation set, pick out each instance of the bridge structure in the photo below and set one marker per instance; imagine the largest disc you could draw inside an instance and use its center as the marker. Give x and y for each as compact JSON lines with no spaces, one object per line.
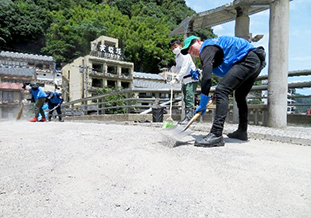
{"x":273,"y":113}
{"x":239,"y":10}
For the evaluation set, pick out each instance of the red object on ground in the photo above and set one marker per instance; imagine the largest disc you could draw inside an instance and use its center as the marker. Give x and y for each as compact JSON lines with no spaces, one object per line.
{"x":33,"y":119}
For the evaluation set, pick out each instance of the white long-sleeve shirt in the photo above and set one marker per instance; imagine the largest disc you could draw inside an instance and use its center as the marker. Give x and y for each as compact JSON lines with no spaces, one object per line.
{"x":184,"y":64}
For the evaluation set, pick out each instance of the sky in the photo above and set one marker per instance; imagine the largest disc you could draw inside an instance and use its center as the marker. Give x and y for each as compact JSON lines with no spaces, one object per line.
{"x":299,"y":33}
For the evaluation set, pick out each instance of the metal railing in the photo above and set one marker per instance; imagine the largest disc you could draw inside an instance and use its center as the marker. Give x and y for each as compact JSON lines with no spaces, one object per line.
{"x":129,"y":101}
{"x":133,"y":102}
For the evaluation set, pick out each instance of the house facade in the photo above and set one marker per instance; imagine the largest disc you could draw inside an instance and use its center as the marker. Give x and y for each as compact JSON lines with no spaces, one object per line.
{"x":18,"y":68}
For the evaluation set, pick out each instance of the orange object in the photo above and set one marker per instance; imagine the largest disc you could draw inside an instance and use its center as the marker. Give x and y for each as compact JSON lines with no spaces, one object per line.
{"x":33,"y":119}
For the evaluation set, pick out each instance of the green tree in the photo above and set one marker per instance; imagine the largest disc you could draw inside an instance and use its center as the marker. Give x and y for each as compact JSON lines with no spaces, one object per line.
{"x":64,"y":28}
{"x":23,"y":25}
{"x":72,"y":30}
{"x":146,"y":44}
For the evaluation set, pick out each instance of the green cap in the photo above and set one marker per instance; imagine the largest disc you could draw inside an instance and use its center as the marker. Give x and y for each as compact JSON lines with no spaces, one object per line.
{"x":187,"y":44}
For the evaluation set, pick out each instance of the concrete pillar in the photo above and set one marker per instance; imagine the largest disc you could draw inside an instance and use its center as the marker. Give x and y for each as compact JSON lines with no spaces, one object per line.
{"x":105,"y":82}
{"x":278,"y":64}
{"x":241,"y":30}
{"x":119,"y":71}
{"x":242,"y":22}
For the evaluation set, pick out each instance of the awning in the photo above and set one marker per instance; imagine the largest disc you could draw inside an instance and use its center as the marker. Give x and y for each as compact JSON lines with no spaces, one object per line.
{"x":11,"y":86}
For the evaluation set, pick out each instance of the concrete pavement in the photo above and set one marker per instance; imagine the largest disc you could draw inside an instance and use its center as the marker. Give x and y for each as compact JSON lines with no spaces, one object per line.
{"x":107,"y":169}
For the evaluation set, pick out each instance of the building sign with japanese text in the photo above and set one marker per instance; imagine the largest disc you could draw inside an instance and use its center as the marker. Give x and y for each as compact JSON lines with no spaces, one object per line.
{"x":105,"y":51}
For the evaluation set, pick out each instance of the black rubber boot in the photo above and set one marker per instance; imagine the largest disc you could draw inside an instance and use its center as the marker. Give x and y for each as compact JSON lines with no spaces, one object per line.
{"x":60,"y":119}
{"x":188,"y":116}
{"x":241,"y":133}
{"x":210,"y":140}
{"x":49,"y":118}
{"x":238,"y":134}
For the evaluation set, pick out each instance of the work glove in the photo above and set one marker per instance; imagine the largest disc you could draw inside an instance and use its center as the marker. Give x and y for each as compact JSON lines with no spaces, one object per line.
{"x":24,"y":101}
{"x":203,"y":102}
{"x":194,"y":74}
{"x":173,"y":82}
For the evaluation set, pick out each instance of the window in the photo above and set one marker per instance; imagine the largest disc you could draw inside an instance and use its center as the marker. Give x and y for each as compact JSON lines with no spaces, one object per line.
{"x":7,"y":97}
{"x":112,"y":69}
{"x":111,"y":84}
{"x":97,"y":67}
{"x":146,"y":95}
{"x":39,"y":66}
{"x":31,"y":64}
{"x":125,"y":71}
{"x":125,"y":85}
{"x":98,"y":83}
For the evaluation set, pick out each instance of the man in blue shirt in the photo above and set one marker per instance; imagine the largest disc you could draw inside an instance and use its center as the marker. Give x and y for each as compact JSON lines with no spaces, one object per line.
{"x":39,"y":97}
{"x":239,"y":63}
{"x":55,"y":100}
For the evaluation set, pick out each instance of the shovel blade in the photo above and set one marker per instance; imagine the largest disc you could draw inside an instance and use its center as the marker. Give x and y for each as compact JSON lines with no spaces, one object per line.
{"x":178,"y":131}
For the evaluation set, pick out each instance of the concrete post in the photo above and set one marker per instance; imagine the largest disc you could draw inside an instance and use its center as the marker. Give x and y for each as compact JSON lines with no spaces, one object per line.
{"x":241,"y":30}
{"x":242,"y":22}
{"x":278,"y":64}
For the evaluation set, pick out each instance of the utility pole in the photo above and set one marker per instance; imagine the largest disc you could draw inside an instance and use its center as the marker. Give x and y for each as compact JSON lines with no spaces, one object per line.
{"x":85,"y":76}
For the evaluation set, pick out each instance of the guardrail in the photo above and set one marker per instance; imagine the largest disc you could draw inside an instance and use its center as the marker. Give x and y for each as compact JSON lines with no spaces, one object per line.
{"x":130,"y":101}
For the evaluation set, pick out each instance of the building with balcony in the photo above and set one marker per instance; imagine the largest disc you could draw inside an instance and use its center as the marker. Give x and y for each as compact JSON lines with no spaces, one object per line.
{"x":104,"y":67}
{"x":18,"y":68}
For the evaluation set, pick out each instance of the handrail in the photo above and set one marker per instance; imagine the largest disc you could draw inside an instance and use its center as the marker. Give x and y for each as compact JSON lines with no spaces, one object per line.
{"x":290,"y":74}
{"x":134,"y":105}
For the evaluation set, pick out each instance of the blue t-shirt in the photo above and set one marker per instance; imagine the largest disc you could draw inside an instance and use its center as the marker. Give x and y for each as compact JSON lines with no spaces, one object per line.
{"x":56,"y":99}
{"x":37,"y":93}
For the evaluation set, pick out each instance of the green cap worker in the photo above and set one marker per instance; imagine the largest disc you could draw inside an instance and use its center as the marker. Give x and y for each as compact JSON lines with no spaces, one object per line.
{"x":239,"y":63}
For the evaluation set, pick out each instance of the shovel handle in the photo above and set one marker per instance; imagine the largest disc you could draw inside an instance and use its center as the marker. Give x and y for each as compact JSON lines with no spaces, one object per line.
{"x":196,"y":116}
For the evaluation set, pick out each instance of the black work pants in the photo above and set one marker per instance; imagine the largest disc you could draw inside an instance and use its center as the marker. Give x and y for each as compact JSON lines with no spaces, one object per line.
{"x":58,"y":109}
{"x":240,"y":78}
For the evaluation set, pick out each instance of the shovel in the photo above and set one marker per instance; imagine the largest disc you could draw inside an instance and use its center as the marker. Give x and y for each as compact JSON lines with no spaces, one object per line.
{"x":180,"y":130}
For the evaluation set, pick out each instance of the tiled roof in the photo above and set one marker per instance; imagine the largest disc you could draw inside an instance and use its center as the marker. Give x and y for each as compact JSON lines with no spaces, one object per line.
{"x":152,"y":85}
{"x":17,"y":71}
{"x":16,"y":55}
{"x":11,"y":86}
{"x":140,"y":75}
{"x":151,"y":82}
